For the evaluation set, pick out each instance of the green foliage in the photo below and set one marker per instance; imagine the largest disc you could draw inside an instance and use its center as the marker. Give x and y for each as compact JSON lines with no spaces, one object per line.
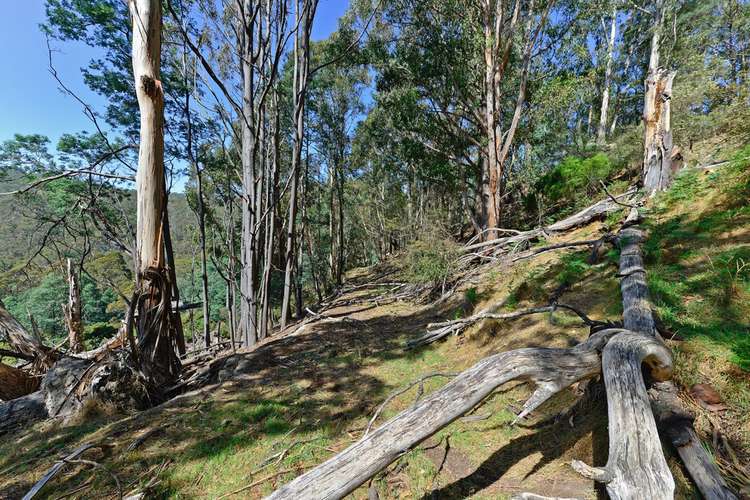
{"x":574,"y":267}
{"x":570,"y":184}
{"x":430,"y":260}
{"x":96,"y":333}
{"x":471,"y":295}
{"x":698,"y":276}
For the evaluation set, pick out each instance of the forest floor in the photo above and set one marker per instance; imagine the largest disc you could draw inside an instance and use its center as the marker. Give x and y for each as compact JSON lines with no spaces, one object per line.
{"x":309,"y":392}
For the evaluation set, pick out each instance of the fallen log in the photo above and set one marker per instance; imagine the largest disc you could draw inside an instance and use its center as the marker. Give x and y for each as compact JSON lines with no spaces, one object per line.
{"x":644,"y":476}
{"x":437,"y":331}
{"x":583,"y":217}
{"x":552,"y":370}
{"x":636,"y":467}
{"x":22,"y":411}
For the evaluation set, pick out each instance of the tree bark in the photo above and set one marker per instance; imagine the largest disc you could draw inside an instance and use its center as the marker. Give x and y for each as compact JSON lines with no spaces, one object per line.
{"x":15,"y":383}
{"x":657,"y":130}
{"x":248,"y":281}
{"x":305,"y":12}
{"x":24,"y":342}
{"x":204,"y":261}
{"x":156,"y":337}
{"x":72,"y":312}
{"x":638,"y":469}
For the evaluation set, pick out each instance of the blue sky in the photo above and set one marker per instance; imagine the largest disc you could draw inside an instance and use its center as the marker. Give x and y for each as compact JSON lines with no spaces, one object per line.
{"x":30,"y":101}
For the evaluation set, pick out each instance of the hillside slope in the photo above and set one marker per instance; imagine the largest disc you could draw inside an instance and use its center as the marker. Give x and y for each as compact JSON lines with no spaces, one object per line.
{"x":309,"y":392}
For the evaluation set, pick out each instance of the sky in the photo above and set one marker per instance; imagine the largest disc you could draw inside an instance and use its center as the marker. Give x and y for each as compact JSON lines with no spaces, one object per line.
{"x":30,"y":100}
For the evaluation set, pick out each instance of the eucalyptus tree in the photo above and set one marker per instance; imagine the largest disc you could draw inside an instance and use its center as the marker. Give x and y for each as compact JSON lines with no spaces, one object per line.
{"x":336,"y":106}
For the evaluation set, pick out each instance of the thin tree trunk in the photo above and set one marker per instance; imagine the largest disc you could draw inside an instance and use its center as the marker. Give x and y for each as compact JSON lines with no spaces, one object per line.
{"x":340,"y":233}
{"x":204,"y":262}
{"x":602,"y":130}
{"x":248,"y":285}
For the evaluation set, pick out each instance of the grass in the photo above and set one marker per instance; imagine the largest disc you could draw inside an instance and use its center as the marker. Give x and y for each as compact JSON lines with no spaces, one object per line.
{"x":313,"y":398}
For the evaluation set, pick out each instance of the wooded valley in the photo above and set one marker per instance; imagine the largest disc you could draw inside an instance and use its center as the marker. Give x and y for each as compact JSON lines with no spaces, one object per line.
{"x":448,"y":249}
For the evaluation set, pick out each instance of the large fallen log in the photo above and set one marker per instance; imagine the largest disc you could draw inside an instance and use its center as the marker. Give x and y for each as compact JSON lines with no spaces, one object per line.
{"x":552,"y":370}
{"x":636,"y":467}
{"x":22,"y":411}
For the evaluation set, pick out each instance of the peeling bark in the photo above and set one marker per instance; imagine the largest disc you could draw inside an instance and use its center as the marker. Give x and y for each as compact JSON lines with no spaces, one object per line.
{"x":24,"y":342}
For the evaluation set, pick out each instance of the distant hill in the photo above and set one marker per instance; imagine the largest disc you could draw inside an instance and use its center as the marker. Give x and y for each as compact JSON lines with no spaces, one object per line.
{"x":18,"y":229}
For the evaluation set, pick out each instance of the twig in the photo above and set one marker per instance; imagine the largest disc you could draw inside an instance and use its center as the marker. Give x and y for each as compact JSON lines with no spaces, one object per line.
{"x":86,"y":484}
{"x":419,"y":381}
{"x":261,"y":481}
{"x":52,"y":471}
{"x":622,"y":204}
{"x":97,"y":465}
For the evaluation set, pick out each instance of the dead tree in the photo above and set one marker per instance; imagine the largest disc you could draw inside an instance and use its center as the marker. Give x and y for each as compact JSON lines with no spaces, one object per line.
{"x":72,"y":312}
{"x":622,"y":374}
{"x":551,"y":370}
{"x":28,"y":346}
{"x":657,"y":130}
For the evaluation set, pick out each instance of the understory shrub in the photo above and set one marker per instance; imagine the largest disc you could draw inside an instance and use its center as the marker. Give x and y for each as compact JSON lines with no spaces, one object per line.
{"x":431,"y":259}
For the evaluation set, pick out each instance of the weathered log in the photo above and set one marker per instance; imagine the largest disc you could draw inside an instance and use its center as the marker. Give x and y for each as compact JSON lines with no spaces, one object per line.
{"x":22,"y":411}
{"x":552,"y":370}
{"x":677,"y":425}
{"x":672,"y":417}
{"x":15,"y":383}
{"x":645,"y":475}
{"x":585,"y":216}
{"x":636,"y":467}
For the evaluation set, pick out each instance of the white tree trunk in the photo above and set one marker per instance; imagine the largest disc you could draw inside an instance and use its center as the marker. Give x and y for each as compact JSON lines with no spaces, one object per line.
{"x":150,"y":177}
{"x":602,"y":130}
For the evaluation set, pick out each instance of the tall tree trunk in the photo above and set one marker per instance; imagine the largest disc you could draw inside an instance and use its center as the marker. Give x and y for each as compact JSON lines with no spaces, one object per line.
{"x":306,"y":13}
{"x":273,"y":199}
{"x":171,"y":269}
{"x":340,"y":233}
{"x":156,"y":338}
{"x":72,"y":312}
{"x":657,"y":129}
{"x":601,"y":132}
{"x":248,"y":285}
